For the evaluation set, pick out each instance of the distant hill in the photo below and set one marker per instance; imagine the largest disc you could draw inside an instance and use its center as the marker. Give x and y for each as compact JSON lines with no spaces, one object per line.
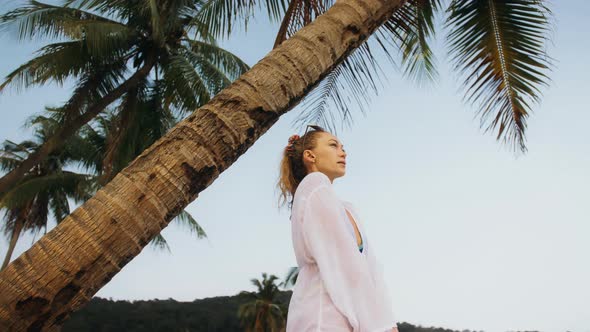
{"x":215,"y":314}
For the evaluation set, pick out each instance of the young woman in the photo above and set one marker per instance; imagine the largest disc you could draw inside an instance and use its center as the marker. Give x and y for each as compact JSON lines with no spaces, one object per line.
{"x":340,"y":285}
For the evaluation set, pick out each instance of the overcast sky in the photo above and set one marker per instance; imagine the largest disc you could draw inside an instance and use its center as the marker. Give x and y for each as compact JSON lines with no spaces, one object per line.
{"x":471,"y":236}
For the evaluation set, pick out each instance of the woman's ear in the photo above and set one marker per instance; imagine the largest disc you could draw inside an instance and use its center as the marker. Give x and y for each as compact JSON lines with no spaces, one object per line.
{"x":308,"y":156}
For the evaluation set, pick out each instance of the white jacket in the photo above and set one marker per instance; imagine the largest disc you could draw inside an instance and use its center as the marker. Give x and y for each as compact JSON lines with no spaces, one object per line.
{"x":338,"y":287}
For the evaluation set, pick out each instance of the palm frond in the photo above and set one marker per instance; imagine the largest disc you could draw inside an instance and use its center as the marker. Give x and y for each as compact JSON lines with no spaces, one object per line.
{"x":185,"y":87}
{"x":417,"y":58}
{"x":157,"y":118}
{"x":122,"y":10}
{"x":186,"y":220}
{"x":247,"y":315}
{"x":38,"y":212}
{"x":121,"y":138}
{"x":59,"y":61}
{"x":59,"y":206}
{"x":220,"y":16}
{"x":498,"y":48}
{"x":92,"y":147}
{"x":41,"y":20}
{"x":215,"y":79}
{"x":33,"y":185}
{"x":352,"y":81}
{"x":56,"y":62}
{"x":227,"y":62}
{"x":9,"y":161}
{"x":291,"y":277}
{"x":275,"y":319}
{"x":157,"y":30}
{"x":160,"y":243}
{"x":46,"y":121}
{"x":300,"y":13}
{"x":32,"y":215}
{"x":12,"y":154}
{"x":106,"y":40}
{"x":22,"y":147}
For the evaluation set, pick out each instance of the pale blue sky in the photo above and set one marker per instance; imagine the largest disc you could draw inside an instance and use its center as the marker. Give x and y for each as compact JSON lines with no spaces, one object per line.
{"x":470,"y":236}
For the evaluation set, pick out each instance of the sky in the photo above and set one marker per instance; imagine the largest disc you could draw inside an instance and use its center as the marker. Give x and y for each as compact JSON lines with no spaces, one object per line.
{"x":470,"y":234}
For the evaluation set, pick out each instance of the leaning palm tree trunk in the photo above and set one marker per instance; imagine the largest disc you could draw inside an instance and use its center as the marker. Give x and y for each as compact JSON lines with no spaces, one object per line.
{"x":66,"y":267}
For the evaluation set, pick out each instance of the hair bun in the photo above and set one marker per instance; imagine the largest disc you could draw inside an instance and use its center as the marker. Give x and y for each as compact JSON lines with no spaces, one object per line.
{"x":293,"y":138}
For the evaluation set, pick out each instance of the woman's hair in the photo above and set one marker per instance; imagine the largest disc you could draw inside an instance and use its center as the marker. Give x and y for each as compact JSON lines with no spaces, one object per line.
{"x":293,"y":169}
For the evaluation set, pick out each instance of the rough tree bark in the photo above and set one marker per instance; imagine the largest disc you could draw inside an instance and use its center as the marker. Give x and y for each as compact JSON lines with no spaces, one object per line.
{"x":66,"y":267}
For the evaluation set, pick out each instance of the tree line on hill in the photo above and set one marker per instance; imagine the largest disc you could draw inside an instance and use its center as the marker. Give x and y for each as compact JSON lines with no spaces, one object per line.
{"x":215,"y":314}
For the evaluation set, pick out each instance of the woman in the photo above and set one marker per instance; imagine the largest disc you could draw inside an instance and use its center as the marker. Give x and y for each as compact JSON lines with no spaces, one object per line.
{"x":340,"y":285}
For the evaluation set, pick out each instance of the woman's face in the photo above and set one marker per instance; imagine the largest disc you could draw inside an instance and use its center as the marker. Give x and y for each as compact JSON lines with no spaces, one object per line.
{"x":327,"y":157}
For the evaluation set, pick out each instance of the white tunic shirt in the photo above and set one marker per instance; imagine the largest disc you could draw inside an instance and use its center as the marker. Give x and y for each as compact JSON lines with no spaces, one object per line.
{"x":338,"y":288}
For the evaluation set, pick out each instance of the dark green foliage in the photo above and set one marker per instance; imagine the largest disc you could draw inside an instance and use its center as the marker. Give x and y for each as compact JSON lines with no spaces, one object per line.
{"x":407,"y":327}
{"x":210,"y":314}
{"x":215,"y":314}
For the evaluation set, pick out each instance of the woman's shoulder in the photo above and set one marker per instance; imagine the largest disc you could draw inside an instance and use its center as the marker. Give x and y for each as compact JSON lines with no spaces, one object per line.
{"x":312,"y":181}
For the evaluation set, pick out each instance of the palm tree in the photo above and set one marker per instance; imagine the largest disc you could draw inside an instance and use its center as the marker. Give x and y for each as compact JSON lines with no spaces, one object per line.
{"x":495,"y":46}
{"x":49,"y":185}
{"x":101,"y":43}
{"x":45,"y":188}
{"x":262,"y":314}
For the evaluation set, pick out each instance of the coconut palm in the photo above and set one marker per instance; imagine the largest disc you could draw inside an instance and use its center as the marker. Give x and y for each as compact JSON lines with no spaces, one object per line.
{"x":498,"y":46}
{"x":49,"y":185}
{"x":262,"y":314}
{"x":46,"y":188}
{"x":110,"y":48}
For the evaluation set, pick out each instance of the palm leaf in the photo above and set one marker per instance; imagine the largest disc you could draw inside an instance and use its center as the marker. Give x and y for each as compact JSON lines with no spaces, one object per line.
{"x":12,"y":154}
{"x":291,"y":277}
{"x":157,"y":118}
{"x":185,"y":87}
{"x":187,"y":221}
{"x":352,"y":81}
{"x":56,"y":62}
{"x":417,"y":58}
{"x":498,"y":48}
{"x":37,"y":19}
{"x":93,"y":145}
{"x":33,"y":185}
{"x":227,"y":62}
{"x":122,"y":9}
{"x":121,"y":138}
{"x":59,"y":206}
{"x":105,"y":40}
{"x":60,"y":61}
{"x":220,"y":16}
{"x":159,"y":242}
{"x":299,"y":14}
